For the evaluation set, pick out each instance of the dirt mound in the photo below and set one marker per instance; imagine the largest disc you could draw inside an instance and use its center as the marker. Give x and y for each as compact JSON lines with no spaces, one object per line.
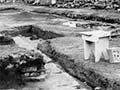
{"x":23,"y":15}
{"x":5,"y":40}
{"x":34,"y":32}
{"x":17,"y":67}
{"x":9,"y":10}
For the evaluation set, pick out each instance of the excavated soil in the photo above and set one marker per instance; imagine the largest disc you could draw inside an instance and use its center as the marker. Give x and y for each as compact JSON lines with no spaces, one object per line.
{"x":10,"y":74}
{"x":23,"y":43}
{"x":4,"y":40}
{"x":34,"y":32}
{"x":9,"y":10}
{"x":108,"y":16}
{"x":70,"y":56}
{"x":50,"y":28}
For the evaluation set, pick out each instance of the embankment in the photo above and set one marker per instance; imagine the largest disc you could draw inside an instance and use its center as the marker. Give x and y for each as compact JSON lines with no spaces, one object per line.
{"x":78,"y":70}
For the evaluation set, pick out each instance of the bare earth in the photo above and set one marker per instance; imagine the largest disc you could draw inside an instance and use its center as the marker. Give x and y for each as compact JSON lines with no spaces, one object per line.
{"x":51,"y":19}
{"x":55,"y":78}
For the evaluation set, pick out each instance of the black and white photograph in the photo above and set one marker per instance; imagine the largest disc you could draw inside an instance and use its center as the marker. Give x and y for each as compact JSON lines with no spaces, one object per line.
{"x":59,"y":44}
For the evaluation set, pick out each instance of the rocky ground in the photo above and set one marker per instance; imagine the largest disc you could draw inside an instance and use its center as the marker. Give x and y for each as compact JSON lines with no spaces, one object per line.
{"x":26,"y":29}
{"x":56,"y":32}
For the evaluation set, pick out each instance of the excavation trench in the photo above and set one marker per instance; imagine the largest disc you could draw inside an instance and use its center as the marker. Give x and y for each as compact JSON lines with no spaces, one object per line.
{"x":10,"y":67}
{"x":93,"y":15}
{"x":83,"y":21}
{"x":14,"y":73}
{"x":79,"y":70}
{"x":9,"y":10}
{"x":20,"y":59}
{"x":88,"y":76}
{"x":34,"y":32}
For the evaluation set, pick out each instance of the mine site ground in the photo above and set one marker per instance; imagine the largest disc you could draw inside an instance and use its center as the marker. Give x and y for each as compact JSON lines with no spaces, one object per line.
{"x":52,"y":29}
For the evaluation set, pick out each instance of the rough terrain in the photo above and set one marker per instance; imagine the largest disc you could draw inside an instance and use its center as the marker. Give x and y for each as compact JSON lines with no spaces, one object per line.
{"x":58,"y":33}
{"x":20,"y":26}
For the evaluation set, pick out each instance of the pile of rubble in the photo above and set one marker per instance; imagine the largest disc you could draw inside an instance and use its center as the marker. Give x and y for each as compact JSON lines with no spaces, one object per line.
{"x":6,"y":40}
{"x":99,"y":4}
{"x":18,"y":67}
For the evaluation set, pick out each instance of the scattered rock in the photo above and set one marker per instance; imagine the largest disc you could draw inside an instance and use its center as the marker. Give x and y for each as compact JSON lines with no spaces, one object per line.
{"x":98,"y":88}
{"x":34,"y":37}
{"x":83,"y":89}
{"x":18,"y":65}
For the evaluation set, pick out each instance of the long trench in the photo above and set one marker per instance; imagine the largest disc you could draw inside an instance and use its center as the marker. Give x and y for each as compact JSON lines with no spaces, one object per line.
{"x":56,"y":78}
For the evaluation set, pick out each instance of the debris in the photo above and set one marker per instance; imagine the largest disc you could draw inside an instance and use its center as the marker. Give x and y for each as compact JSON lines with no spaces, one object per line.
{"x":22,"y":66}
{"x":6,"y":40}
{"x":83,"y":89}
{"x":97,"y":88}
{"x":34,"y":37}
